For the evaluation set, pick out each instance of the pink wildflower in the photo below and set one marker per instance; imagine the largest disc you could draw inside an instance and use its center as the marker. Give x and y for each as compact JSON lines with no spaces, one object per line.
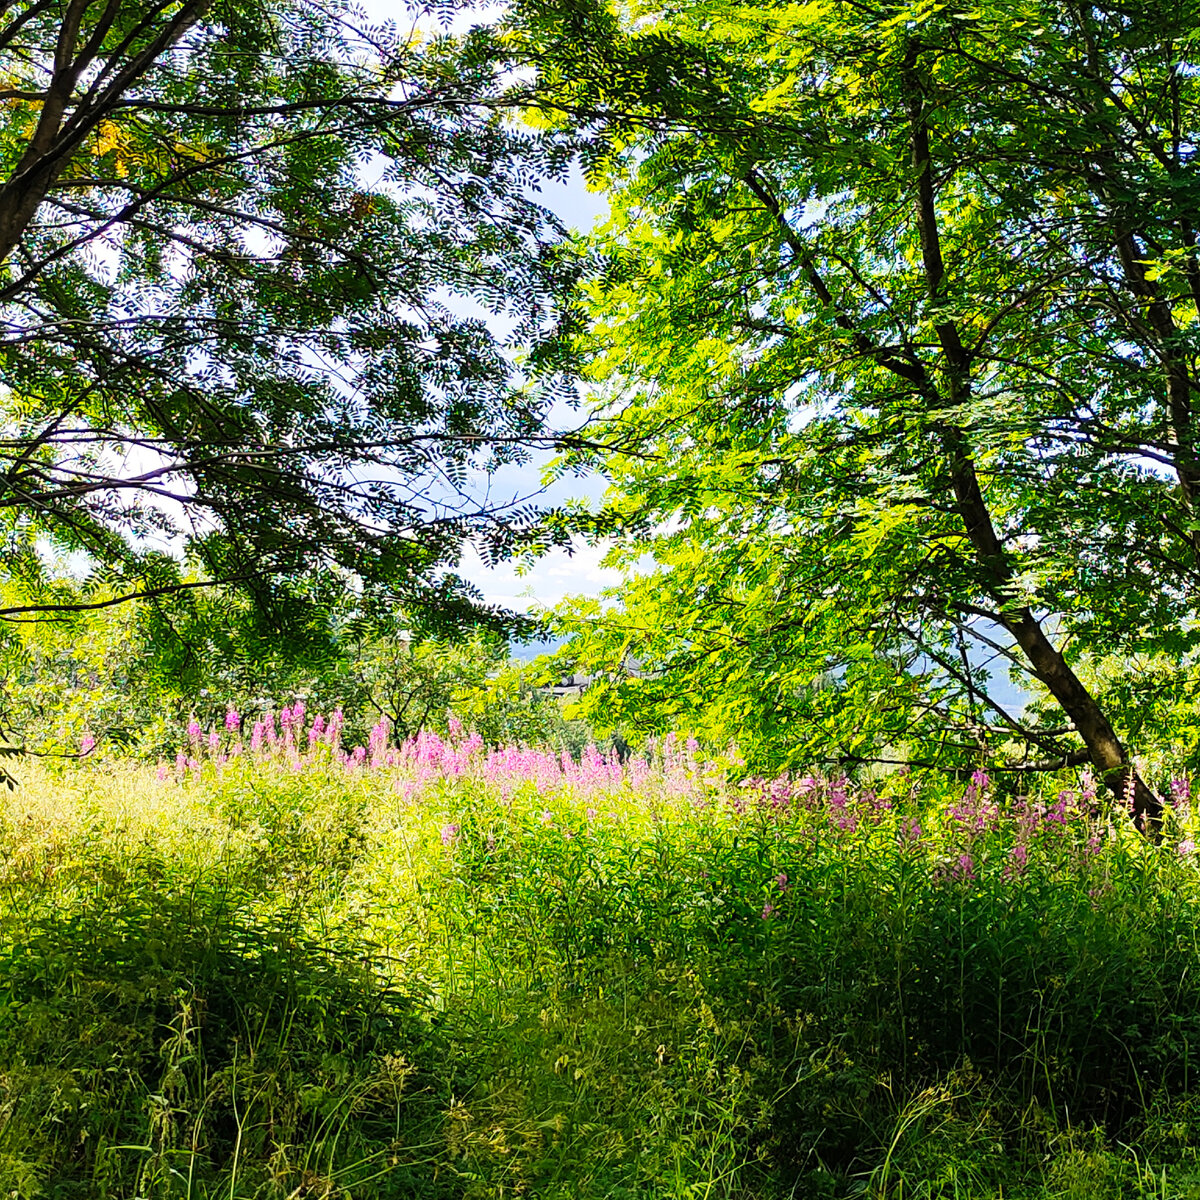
{"x":449,"y":833}
{"x":87,"y":744}
{"x":1056,"y":814}
{"x":333,"y":731}
{"x":768,"y":910}
{"x":1187,"y":847}
{"x":847,"y":822}
{"x":232,"y":721}
{"x":1087,"y":786}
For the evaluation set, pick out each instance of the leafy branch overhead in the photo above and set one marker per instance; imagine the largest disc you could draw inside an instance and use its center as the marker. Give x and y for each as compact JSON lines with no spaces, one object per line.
{"x":250,"y":252}
{"x":898,"y":305}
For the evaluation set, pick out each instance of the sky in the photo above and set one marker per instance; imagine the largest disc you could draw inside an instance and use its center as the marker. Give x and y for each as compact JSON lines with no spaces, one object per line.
{"x":557,"y":574}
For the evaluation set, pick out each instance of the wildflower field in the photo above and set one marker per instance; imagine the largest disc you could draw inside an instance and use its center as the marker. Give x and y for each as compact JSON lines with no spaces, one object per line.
{"x":281,"y":968}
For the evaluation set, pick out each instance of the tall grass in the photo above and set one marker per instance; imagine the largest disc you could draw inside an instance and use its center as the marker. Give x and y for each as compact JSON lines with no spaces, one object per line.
{"x":430,"y":971}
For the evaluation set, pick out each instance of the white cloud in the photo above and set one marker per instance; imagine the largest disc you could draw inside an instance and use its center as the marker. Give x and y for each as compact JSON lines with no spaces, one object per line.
{"x":551,"y":578}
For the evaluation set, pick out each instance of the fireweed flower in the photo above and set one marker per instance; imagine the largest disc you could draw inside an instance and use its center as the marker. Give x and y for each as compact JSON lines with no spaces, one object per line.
{"x":232,"y":721}
{"x":780,"y":791}
{"x":1087,"y":790}
{"x":1187,"y":848}
{"x":193,"y":730}
{"x":1179,"y":795}
{"x":839,"y":812}
{"x":782,"y":880}
{"x":837,"y":793}
{"x":963,"y":867}
{"x":1056,"y":814}
{"x":377,"y":741}
{"x":334,"y":730}
{"x":87,"y":744}
{"x":768,"y":910}
{"x":875,"y":804}
{"x":808,"y":789}
{"x":449,"y":833}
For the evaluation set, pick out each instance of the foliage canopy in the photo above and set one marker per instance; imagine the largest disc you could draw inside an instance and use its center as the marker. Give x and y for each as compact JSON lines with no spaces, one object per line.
{"x":248,"y":253}
{"x":897,"y":317}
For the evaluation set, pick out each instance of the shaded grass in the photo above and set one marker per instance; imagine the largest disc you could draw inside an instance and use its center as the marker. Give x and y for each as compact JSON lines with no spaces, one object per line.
{"x":267,"y":984}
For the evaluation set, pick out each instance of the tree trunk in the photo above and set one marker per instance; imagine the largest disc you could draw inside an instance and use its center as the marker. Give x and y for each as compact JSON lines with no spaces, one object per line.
{"x":1104,"y":748}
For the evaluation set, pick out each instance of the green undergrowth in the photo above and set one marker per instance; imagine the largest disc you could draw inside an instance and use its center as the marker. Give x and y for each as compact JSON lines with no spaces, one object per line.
{"x":292,"y":985}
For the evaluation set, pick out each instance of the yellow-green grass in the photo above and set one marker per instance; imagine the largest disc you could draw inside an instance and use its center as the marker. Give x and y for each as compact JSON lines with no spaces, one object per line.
{"x":267,"y":982}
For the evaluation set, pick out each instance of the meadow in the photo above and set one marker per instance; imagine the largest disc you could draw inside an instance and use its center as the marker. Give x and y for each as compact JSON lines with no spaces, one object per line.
{"x":278,"y":968}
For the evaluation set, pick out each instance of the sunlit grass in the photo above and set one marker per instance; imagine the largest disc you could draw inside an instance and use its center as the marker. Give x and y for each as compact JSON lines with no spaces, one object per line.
{"x":451,"y":974}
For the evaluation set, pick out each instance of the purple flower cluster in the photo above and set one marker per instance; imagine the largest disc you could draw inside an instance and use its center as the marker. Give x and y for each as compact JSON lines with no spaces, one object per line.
{"x":961,"y":840}
{"x":291,"y":740}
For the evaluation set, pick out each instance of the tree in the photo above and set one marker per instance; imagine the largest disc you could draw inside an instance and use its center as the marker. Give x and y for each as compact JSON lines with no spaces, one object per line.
{"x":427,"y":685}
{"x":132,"y":678}
{"x":237,"y":242}
{"x":898,"y":317}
